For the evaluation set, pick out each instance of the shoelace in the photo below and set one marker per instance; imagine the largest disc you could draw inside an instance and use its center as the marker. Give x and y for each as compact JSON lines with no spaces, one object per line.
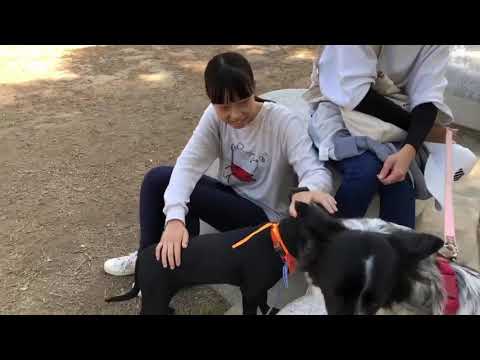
{"x":130,"y":260}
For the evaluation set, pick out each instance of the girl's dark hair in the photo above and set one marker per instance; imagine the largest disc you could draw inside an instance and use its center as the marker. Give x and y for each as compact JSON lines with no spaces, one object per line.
{"x":229,"y":78}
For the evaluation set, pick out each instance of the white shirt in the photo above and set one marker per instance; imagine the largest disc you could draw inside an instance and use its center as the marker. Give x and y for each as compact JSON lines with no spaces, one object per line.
{"x":346,"y":73}
{"x":261,"y":161}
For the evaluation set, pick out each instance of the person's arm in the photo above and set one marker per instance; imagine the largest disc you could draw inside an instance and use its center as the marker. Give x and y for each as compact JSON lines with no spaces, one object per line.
{"x":425,"y":89}
{"x":427,"y":81}
{"x":312,"y":173}
{"x":314,"y":178}
{"x":200,"y":152}
{"x":379,"y":106}
{"x":418,"y":123}
{"x":395,"y":167}
{"x":423,"y":119}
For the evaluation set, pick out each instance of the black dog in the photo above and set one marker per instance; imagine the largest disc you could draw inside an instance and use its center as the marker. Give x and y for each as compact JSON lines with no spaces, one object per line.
{"x":255,"y":267}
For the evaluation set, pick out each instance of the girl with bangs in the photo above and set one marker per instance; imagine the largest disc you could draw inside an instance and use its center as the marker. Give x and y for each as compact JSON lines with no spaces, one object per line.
{"x":263,"y":149}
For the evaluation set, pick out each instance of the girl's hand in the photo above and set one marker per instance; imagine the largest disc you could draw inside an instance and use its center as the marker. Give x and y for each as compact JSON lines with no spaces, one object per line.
{"x":174,"y":237}
{"x":319,"y":197}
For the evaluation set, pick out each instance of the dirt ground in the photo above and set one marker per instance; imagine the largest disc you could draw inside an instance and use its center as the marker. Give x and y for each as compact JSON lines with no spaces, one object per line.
{"x":79,"y":127}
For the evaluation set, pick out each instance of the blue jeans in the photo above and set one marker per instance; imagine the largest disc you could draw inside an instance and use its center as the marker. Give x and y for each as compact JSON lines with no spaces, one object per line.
{"x":213,"y":202}
{"x":360,"y":184}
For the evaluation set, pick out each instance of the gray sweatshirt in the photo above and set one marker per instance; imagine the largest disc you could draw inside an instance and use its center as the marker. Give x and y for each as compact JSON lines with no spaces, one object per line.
{"x":261,"y":161}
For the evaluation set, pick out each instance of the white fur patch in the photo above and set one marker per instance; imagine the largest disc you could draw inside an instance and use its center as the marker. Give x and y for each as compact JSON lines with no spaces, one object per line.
{"x":306,"y":305}
{"x":375,"y":225}
{"x":313,"y":290}
{"x":368,"y":272}
{"x":369,"y":264}
{"x":469,"y":290}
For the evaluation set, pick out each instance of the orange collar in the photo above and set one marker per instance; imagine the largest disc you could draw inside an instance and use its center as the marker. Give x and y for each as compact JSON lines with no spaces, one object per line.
{"x":278,"y":244}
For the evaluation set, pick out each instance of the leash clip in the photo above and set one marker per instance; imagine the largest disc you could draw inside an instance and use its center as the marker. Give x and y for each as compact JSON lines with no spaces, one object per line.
{"x":449,"y":249}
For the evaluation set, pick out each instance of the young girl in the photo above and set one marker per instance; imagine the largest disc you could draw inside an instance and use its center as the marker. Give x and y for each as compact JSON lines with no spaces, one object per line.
{"x":264,"y":150}
{"x":367,"y":79}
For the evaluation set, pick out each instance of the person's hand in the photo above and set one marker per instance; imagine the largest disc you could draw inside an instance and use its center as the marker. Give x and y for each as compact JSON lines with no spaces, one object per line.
{"x":437,"y":134}
{"x":396,"y":166}
{"x":319,"y":197}
{"x":174,"y":237}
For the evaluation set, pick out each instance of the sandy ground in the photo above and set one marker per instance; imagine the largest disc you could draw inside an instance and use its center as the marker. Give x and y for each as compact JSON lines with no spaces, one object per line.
{"x":79,"y":127}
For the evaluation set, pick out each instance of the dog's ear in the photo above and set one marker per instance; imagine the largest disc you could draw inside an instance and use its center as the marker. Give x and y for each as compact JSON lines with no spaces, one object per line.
{"x":316,"y":229}
{"x":304,"y":210}
{"x":315,"y":220}
{"x":412,"y":246}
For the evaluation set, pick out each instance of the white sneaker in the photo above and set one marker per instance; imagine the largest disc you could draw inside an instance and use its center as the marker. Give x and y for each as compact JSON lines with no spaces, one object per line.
{"x":121,"y":266}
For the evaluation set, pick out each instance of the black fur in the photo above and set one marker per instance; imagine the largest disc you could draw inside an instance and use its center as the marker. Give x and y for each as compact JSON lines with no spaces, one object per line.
{"x":254,"y":267}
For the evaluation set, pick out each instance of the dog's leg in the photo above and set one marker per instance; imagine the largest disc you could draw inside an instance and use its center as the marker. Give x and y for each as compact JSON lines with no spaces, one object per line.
{"x":157,"y":285}
{"x":249,"y":305}
{"x":264,"y":307}
{"x":156,"y":304}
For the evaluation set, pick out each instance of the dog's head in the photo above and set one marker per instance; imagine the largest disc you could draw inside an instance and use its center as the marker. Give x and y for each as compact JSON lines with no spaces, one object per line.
{"x":358,"y":272}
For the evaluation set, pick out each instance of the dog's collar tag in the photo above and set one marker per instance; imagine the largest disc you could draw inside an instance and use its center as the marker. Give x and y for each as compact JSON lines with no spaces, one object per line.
{"x":285,"y":275}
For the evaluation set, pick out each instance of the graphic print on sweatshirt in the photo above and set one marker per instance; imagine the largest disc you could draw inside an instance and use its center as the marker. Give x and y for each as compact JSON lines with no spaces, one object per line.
{"x":245,"y":166}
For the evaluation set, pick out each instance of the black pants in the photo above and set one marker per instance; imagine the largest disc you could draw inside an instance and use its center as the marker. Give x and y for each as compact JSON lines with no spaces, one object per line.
{"x":360,"y":184}
{"x":213,"y":202}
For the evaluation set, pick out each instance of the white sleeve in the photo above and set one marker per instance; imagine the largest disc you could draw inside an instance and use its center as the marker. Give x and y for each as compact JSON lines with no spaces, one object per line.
{"x":311,"y":172}
{"x":427,"y":79}
{"x":200,"y":152}
{"x":346,"y":73}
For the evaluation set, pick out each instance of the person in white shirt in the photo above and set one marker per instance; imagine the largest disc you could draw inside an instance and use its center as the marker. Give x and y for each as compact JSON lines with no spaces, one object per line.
{"x":370,"y":79}
{"x":264,"y":151}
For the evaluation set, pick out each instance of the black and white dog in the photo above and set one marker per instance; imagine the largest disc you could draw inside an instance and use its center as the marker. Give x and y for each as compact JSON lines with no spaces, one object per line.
{"x":362,"y":266}
{"x":369,"y":266}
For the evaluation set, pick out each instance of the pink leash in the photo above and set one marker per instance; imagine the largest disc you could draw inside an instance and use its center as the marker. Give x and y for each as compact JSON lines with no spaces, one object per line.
{"x":450,"y":250}
{"x":449,"y":217}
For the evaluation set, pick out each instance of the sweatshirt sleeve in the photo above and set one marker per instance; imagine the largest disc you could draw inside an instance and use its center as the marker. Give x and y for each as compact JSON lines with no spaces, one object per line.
{"x":346,"y":73}
{"x":311,"y":172}
{"x":427,"y":80}
{"x":200,"y":152}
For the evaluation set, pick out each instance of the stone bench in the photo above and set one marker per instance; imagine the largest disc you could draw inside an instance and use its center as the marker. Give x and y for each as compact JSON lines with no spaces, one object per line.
{"x":292,"y":98}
